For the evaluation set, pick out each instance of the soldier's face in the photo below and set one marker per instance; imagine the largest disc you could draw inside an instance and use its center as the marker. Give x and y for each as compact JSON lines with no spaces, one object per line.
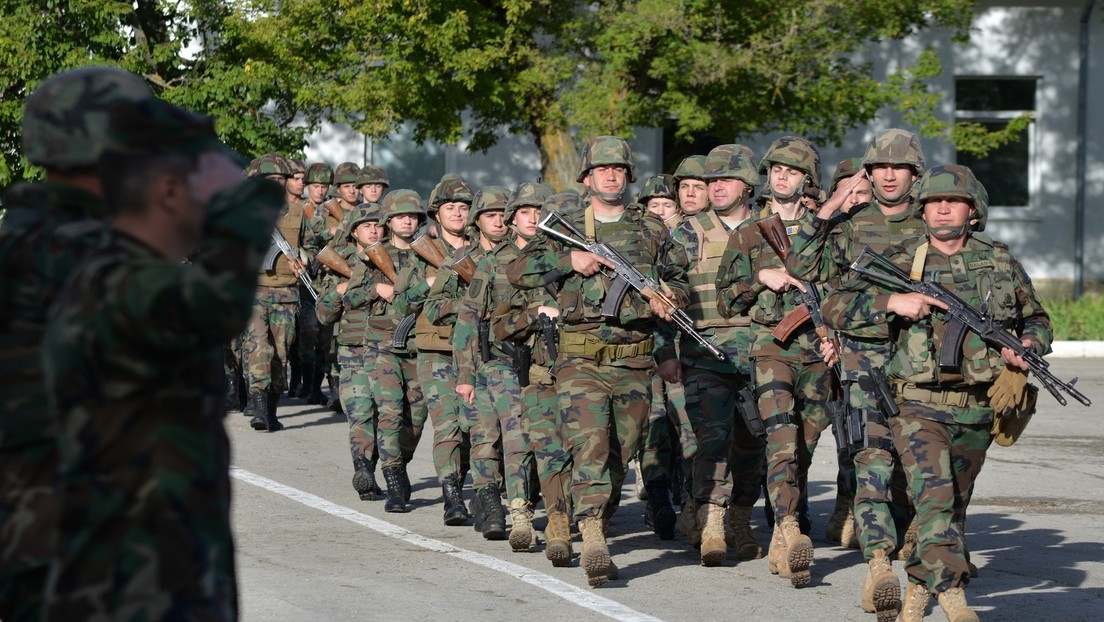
{"x":453,"y":216}
{"x":893,"y":181}
{"x":525,"y":219}
{"x":662,"y":207}
{"x":693,"y":195}
{"x":295,"y":184}
{"x":492,"y":223}
{"x":348,"y":192}
{"x":947,"y":213}
{"x":862,"y":193}
{"x":371,"y":193}
{"x":609,"y":179}
{"x":724,"y":193}
{"x":785,"y":180}
{"x":317,"y":192}
{"x":404,"y":225}
{"x":368,"y":233}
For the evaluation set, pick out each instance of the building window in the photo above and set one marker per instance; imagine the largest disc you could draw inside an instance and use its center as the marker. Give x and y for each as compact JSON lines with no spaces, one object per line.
{"x":992,"y":102}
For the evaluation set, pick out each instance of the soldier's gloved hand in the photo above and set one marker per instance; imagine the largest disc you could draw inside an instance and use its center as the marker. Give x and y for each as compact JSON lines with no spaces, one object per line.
{"x":1008,"y":390}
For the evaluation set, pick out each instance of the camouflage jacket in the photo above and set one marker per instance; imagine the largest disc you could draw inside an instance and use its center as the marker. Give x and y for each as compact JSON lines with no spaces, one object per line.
{"x":517,"y":319}
{"x":382,"y":317}
{"x":47,"y":229}
{"x":489,"y":288}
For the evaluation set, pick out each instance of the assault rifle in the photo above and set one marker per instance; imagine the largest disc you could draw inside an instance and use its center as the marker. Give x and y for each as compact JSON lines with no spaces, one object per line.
{"x":281,"y":245}
{"x":625,"y":275}
{"x":548,"y":333}
{"x":423,"y":245}
{"x":328,"y":257}
{"x":961,"y":317}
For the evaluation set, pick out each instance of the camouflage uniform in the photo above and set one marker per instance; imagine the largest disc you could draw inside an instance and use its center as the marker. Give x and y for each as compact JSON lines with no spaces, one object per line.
{"x":134,"y":370}
{"x":943,"y":429}
{"x":46,"y":230}
{"x":309,"y":328}
{"x":792,"y":382}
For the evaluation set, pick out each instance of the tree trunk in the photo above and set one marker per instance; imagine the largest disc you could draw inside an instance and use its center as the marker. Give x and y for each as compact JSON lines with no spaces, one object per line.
{"x":559,"y":158}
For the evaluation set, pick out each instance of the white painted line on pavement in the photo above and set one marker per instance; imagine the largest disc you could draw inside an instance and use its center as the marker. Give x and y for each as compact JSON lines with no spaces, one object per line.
{"x":552,"y":585}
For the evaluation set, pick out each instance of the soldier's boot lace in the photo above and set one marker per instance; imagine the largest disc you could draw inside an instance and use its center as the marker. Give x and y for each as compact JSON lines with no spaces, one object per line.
{"x":394,"y":501}
{"x":881,"y":591}
{"x":595,"y":558}
{"x":522,"y":534}
{"x":557,"y":538}
{"x":494,"y":519}
{"x":688,"y":523}
{"x":738,"y":533}
{"x":659,"y":514}
{"x":907,"y":547}
{"x":776,"y":555}
{"x":255,"y":406}
{"x":364,"y":480}
{"x":714,"y":551}
{"x":953,"y":602}
{"x":452,"y":493}
{"x":799,"y":551}
{"x":915,"y":604}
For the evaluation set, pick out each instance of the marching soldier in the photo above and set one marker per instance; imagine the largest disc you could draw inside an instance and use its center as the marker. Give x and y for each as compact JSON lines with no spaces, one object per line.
{"x":693,"y":191}
{"x":371,"y":183}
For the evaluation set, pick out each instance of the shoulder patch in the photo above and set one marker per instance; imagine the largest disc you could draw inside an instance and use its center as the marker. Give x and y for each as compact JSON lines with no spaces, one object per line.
{"x":475,"y":290}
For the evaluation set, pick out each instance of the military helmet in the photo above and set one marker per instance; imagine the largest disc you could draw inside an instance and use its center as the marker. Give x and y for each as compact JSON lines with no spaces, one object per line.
{"x":319,"y":173}
{"x":796,"y":152}
{"x":451,"y":188}
{"x":661,"y":186}
{"x":273,"y":163}
{"x":731,"y":161}
{"x":372,"y":174}
{"x":346,"y":173}
{"x":691,"y":167}
{"x":365,"y":212}
{"x":845,"y":169}
{"x":604,"y":151}
{"x":562,"y":203}
{"x":895,"y":146}
{"x":65,"y":120}
{"x":402,"y":202}
{"x":296,"y":166}
{"x":527,"y":194}
{"x":954,"y":180}
{"x":489,"y":198}
{"x":251,"y":170}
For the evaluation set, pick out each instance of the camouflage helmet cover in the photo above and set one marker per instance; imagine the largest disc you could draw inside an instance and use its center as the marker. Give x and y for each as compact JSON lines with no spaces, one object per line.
{"x":954,"y":180}
{"x":402,"y":202}
{"x":562,"y":203}
{"x":66,"y":118}
{"x":489,"y":198}
{"x":895,"y":146}
{"x":372,"y":174}
{"x":796,"y":152}
{"x":296,"y":166}
{"x":346,"y":173}
{"x":365,"y":212}
{"x":658,"y":186}
{"x":319,"y":173}
{"x":273,"y":164}
{"x":527,"y":194}
{"x":844,"y":169}
{"x":604,"y":151}
{"x":691,"y":167}
{"x":451,"y":188}
{"x":251,"y":170}
{"x":731,"y":162}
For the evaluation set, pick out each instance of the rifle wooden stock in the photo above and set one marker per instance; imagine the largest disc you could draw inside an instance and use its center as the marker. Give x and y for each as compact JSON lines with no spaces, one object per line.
{"x":308,"y":209}
{"x":775,"y":234}
{"x":334,"y":208}
{"x":425,"y":248}
{"x":328,"y":257}
{"x":464,"y":268}
{"x":794,"y":320}
{"x":377,"y":254}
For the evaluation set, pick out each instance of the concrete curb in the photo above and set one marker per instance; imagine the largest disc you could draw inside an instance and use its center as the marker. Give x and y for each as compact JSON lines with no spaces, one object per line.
{"x":1077,"y":349}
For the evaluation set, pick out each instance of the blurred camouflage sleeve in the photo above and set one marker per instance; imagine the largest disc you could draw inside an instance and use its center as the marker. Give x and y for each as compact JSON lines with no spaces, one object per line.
{"x":675,"y":265}
{"x":812,"y":253}
{"x":361,"y":289}
{"x":328,"y":307}
{"x":413,"y":286}
{"x":542,"y":261}
{"x":465,"y":337}
{"x":738,"y":288}
{"x":442,"y":300}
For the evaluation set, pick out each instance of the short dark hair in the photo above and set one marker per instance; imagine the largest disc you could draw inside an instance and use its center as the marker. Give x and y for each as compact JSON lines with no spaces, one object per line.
{"x":127,"y":178}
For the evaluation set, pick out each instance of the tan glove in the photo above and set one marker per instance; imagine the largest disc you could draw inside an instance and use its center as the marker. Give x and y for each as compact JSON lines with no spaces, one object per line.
{"x":1008,"y":427}
{"x":1008,"y":391}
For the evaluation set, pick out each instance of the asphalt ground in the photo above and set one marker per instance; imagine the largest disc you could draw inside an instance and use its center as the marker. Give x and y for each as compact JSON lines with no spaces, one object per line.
{"x":310,"y":549}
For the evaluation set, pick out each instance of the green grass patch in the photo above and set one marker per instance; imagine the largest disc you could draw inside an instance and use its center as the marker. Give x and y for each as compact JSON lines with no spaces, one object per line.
{"x":1077,"y":320}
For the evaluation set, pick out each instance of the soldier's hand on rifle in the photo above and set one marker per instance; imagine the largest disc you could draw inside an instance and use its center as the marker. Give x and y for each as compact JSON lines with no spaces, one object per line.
{"x":828,"y":352}
{"x":912,"y":305}
{"x":551,"y":312}
{"x":587,"y":263}
{"x":430,"y":280}
{"x":661,"y":310}
{"x":466,"y":393}
{"x":296,"y":266}
{"x":671,"y":371}
{"x":385,"y":291}
{"x":1012,"y":359}
{"x":778,"y":280}
{"x":342,"y":286}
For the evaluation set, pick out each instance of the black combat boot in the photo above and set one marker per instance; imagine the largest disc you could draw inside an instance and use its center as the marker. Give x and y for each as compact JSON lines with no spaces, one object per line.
{"x":233,"y":399}
{"x":364,"y":479}
{"x":394,"y":502}
{"x":302,"y":390}
{"x":316,"y":396}
{"x":659,"y":514}
{"x":256,"y":407}
{"x":455,"y":512}
{"x":295,"y":378}
{"x":476,"y":512}
{"x":494,"y":515}
{"x":335,"y":395}
{"x":404,"y":479}
{"x":272,"y":423}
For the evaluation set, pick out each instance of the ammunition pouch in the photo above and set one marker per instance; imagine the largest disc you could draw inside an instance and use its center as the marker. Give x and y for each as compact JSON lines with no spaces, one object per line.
{"x":748,"y":409}
{"x":584,"y":345}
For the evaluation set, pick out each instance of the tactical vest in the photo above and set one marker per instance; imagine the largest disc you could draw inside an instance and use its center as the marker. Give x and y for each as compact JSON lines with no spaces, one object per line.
{"x":712,"y":237}
{"x":501,"y":289}
{"x":290,"y":224}
{"x":429,"y":337}
{"x":872,"y":228}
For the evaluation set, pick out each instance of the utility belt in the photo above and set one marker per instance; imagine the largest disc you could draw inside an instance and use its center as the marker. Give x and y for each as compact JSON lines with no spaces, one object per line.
{"x":584,"y":345}
{"x":972,"y":395}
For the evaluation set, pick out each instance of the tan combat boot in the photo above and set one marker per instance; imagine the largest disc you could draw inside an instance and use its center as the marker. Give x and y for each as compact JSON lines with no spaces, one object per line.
{"x":916,"y":603}
{"x":849,"y":536}
{"x":905,"y":552}
{"x":799,"y":551}
{"x":595,"y":558}
{"x":738,"y":534}
{"x":688,"y":523}
{"x":714,"y":551}
{"x":522,"y":534}
{"x":557,"y":539}
{"x":833,"y":531}
{"x":614,"y":572}
{"x":881,"y":592}
{"x":953,"y":602}
{"x":776,"y":555}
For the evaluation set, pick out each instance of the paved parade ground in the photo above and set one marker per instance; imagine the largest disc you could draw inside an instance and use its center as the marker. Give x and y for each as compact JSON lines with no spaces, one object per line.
{"x":310,"y":549}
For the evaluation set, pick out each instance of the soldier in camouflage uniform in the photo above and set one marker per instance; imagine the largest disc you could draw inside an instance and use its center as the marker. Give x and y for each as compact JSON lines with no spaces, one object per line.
{"x":693,"y":191}
{"x":393,"y":382}
{"x":317,"y":180}
{"x":943,"y":429}
{"x":603,"y":373}
{"x":371,"y":183}
{"x":822,"y":252}
{"x":294,"y":187}
{"x":132,"y":356}
{"x":712,"y":386}
{"x":792,"y":383}
{"x":47,"y":228}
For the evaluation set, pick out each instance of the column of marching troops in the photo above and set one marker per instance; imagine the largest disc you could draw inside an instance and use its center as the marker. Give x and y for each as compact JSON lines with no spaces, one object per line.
{"x":545,"y":337}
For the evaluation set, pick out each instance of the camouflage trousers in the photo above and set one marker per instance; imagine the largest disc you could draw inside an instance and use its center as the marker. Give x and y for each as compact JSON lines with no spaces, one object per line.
{"x":267,"y":337}
{"x":307,"y":336}
{"x":356,"y":401}
{"x":29,"y":515}
{"x":603,"y":410}
{"x":497,"y":440}
{"x":400,"y":404}
{"x":791,"y":398}
{"x":451,"y":445}
{"x":659,"y":444}
{"x":941,"y":461}
{"x":232,"y":357}
{"x":540,"y":423}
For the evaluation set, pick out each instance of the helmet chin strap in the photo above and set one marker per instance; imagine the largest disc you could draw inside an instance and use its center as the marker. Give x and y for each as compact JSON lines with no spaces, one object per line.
{"x":608,"y":197}
{"x":517,"y":231}
{"x":946,"y":234}
{"x":494,"y":238}
{"x":904,"y":198}
{"x":793,"y":195}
